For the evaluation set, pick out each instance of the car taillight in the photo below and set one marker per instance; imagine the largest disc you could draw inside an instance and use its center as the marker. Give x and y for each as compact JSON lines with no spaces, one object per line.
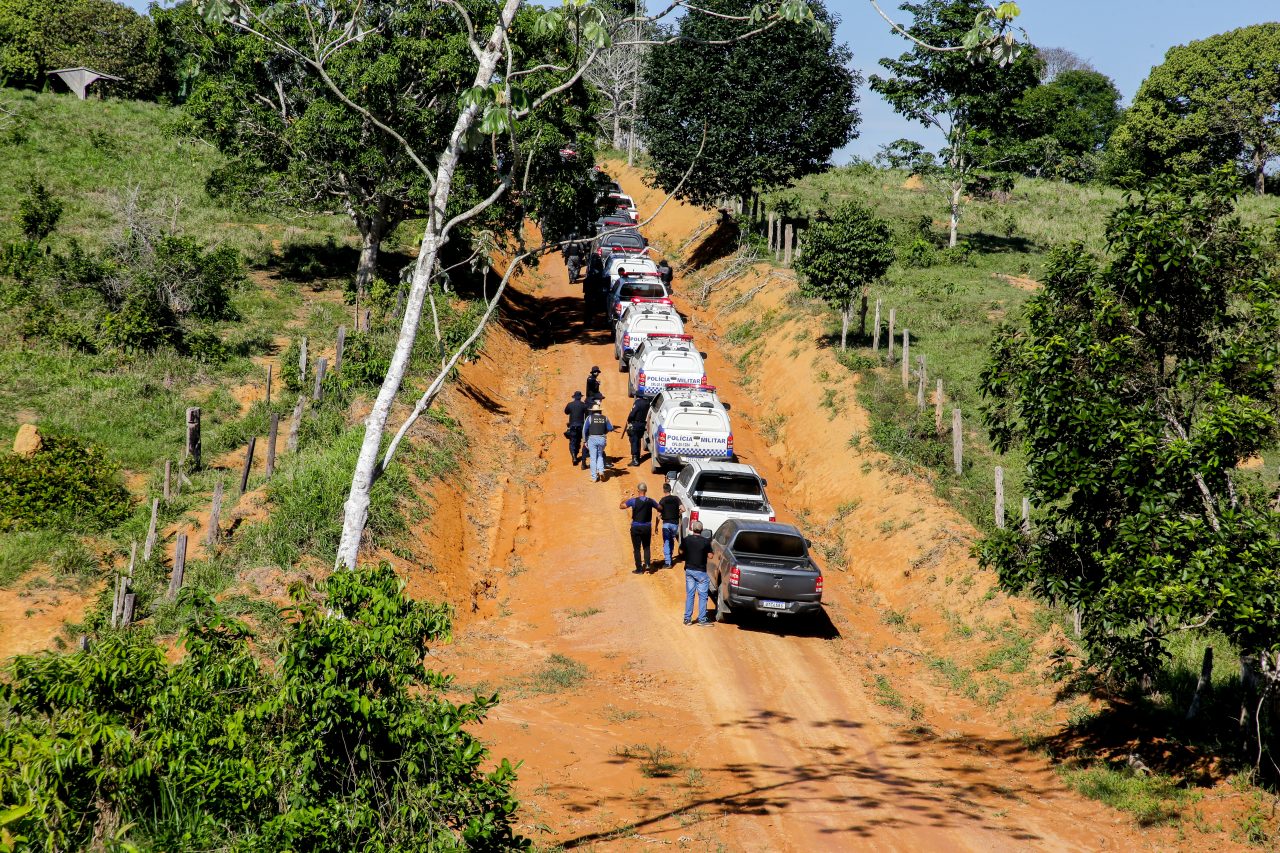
{"x":729,"y":447}
{"x":693,"y":515}
{"x":817,"y":584}
{"x":640,"y":379}
{"x":662,"y":438}
{"x":772,"y":517}
{"x":703,"y":381}
{"x":734,"y":577}
{"x":626,"y":339}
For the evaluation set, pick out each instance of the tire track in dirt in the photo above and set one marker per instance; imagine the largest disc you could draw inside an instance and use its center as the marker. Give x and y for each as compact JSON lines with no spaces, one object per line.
{"x":733,"y":737}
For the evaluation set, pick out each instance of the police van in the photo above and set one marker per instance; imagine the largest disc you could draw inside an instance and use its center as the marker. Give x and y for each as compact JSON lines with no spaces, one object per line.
{"x":687,"y":421}
{"x":641,"y":318}
{"x":662,"y":359}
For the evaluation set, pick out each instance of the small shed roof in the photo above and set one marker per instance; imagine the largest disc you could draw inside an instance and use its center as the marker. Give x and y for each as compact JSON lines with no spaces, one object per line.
{"x":100,"y":74}
{"x":79,"y":78}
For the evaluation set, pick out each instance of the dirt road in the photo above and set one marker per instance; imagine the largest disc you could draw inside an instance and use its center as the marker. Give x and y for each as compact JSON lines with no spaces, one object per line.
{"x":761,"y":737}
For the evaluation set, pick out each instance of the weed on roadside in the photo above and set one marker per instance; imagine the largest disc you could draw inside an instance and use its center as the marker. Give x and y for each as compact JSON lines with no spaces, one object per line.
{"x":1152,"y":799}
{"x":656,"y":761}
{"x":558,"y":675}
{"x":582,"y":614}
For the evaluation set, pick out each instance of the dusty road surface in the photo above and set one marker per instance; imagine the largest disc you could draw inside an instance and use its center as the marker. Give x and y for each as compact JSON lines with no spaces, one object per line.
{"x":637,"y":731}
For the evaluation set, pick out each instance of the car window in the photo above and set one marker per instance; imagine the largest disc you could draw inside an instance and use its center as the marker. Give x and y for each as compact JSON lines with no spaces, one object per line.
{"x":643,"y":289}
{"x":685,"y":476}
{"x":769,"y":544}
{"x":699,"y":420}
{"x":731,"y":484}
{"x":723,"y":533}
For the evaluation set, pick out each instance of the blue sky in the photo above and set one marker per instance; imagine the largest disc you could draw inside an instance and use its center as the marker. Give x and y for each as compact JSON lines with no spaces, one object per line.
{"x":1123,"y":39}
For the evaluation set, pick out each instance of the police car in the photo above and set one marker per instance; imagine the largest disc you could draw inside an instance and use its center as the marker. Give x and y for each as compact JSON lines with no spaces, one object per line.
{"x":641,"y":318}
{"x":714,"y":492}
{"x":688,"y":421}
{"x":662,"y":359}
{"x":632,"y":264}
{"x":624,"y":202}
{"x":629,"y":287}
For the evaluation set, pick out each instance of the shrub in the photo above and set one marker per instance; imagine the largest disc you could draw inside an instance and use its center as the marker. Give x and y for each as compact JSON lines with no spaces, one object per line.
{"x":143,"y":324}
{"x":918,"y":254}
{"x":65,"y":484}
{"x":205,"y":345}
{"x":38,"y":213}
{"x":365,"y":362}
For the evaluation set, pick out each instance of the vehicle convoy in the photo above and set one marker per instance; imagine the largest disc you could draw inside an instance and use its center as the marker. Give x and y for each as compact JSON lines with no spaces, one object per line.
{"x":762,"y":567}
{"x":629,"y":287}
{"x":664,"y":359}
{"x":628,"y":241}
{"x":714,"y":492}
{"x":617,"y":262}
{"x":623,"y":202}
{"x":687,"y":421}
{"x":641,"y":318}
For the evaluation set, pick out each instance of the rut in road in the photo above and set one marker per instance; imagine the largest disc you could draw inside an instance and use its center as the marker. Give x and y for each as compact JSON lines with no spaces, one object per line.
{"x":754,"y":737}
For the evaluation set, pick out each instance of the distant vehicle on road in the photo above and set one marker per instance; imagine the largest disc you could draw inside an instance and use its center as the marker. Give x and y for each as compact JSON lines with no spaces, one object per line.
{"x":663,"y":359}
{"x":762,"y":567}
{"x":685,"y":422}
{"x":714,"y":492}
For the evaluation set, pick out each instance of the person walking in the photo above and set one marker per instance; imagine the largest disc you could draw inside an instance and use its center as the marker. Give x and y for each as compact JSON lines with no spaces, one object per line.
{"x":577,"y":413}
{"x":636,"y":419}
{"x":595,"y":431}
{"x":573,"y":257}
{"x":642,"y":507}
{"x":666,"y":273}
{"x":671,"y":509}
{"x":593,"y":386}
{"x":695,"y":548}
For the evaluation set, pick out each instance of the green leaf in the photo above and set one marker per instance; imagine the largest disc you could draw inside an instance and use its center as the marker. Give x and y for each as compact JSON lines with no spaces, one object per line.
{"x":597,"y":34}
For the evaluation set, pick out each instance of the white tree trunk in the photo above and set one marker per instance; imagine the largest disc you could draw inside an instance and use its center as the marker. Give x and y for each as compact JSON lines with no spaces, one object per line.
{"x":356,"y":509}
{"x":957,"y":190}
{"x":372,"y":230}
{"x":844,"y":325}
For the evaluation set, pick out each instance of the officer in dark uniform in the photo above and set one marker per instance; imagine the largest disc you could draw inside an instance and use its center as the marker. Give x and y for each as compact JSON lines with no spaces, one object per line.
{"x":596,"y":430}
{"x":573,"y":257}
{"x":666,"y":273}
{"x":593,"y":386}
{"x":577,"y":412}
{"x":635,"y":427}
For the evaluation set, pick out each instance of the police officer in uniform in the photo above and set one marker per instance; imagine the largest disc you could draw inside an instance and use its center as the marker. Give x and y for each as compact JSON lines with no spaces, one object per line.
{"x":666,"y":273}
{"x":593,"y":386}
{"x":596,"y":431}
{"x":577,"y":413}
{"x":573,"y":257}
{"x":635,"y":427}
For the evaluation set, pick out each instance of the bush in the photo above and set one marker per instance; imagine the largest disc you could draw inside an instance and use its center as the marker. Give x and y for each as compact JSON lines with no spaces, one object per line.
{"x":143,"y":324}
{"x":344,"y":742}
{"x":38,"y":213}
{"x":66,"y":484}
{"x":205,"y":345}
{"x":919,"y":254}
{"x":365,"y":362}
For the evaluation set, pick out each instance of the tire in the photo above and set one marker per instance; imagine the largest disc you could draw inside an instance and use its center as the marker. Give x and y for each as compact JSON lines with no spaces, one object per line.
{"x":631,"y":391}
{"x":655,"y":463}
{"x":722,"y":610}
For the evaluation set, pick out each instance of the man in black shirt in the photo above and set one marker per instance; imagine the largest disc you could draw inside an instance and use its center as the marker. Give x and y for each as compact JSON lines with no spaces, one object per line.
{"x":593,"y":386}
{"x":635,"y":427}
{"x":671,"y":510}
{"x":577,"y":412}
{"x":695,"y":548}
{"x":666,"y":273}
{"x":642,"y":507}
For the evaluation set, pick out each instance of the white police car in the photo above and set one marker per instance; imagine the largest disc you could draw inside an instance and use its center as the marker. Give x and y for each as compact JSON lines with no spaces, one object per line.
{"x":629,"y":287}
{"x":662,"y":359}
{"x":687,"y":421}
{"x":641,"y":318}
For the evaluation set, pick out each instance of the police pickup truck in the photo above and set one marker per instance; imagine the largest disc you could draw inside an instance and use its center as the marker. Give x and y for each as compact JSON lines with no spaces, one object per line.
{"x":639,"y":319}
{"x":714,"y":492}
{"x":662,"y":359}
{"x":687,"y":421}
{"x":616,"y":263}
{"x":629,"y":287}
{"x":762,"y":567}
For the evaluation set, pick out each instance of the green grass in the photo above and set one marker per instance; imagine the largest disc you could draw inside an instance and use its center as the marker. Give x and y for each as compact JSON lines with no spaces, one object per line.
{"x":22,"y":550}
{"x":1152,"y":799}
{"x":557,"y":675}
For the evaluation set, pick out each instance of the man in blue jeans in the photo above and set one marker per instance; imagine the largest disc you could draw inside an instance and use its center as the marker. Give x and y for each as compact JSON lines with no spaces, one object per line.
{"x":596,"y":429}
{"x":642,"y":507}
{"x":695,"y":548}
{"x":671,"y":509}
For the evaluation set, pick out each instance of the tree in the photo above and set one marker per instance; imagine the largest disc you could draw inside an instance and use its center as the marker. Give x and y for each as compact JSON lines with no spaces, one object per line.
{"x":843,"y":256}
{"x":37,"y":36}
{"x":615,"y":74}
{"x":773,"y":107}
{"x":1060,"y":129}
{"x":1211,"y":102}
{"x":970,"y":103}
{"x":1136,"y":386}
{"x":1056,"y":60}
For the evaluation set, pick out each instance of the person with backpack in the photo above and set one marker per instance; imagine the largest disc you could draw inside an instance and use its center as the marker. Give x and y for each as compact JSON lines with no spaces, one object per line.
{"x":595,"y":431}
{"x":642,"y":507}
{"x":671,"y":508}
{"x":576,"y":411}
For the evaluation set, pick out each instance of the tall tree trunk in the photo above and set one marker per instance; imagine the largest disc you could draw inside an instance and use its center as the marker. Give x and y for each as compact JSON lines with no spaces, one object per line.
{"x":957,"y":191}
{"x":1259,"y":175}
{"x":372,"y":230}
{"x":356,"y":508}
{"x":617,"y":125}
{"x":844,"y":323}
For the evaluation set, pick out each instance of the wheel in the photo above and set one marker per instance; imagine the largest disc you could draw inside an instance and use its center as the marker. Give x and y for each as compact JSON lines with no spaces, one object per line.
{"x":623,"y":363}
{"x":655,"y":463}
{"x":722,"y":610}
{"x":631,"y":391}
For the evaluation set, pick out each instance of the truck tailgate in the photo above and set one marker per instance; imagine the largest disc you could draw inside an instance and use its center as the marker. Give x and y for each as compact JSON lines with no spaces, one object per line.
{"x":780,"y":580}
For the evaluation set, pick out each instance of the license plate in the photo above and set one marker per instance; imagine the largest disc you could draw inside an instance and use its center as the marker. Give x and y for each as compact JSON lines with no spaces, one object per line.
{"x":774,"y":605}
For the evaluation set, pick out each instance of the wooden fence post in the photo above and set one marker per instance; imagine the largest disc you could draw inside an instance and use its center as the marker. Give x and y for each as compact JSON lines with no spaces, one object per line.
{"x":318,"y":391}
{"x":193,"y":438}
{"x":1026,"y":516}
{"x":999,"y":497}
{"x":126,"y":615}
{"x":168,"y":471}
{"x":269,"y":370}
{"x":248,"y":463}
{"x":893,"y":317}
{"x":211,"y":538}
{"x":906,"y":358}
{"x":294,"y":423}
{"x":342,"y":342}
{"x":179,"y":566}
{"x":117,"y":602}
{"x":862,"y":317}
{"x":799,"y":243}
{"x":368,"y":315}
{"x":150,"y":543}
{"x":133,"y":555}
{"x":771,"y":230}
{"x":875,"y":331}
{"x":787,"y":238}
{"x":272,"y":429}
{"x":957,"y":441}
{"x":302,"y":360}
{"x":920,"y":386}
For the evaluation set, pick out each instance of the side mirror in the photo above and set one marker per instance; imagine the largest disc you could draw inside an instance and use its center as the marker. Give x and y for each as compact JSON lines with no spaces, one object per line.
{"x":671,"y":475}
{"x":763,"y":481}
{"x":727,"y":407}
{"x":703,"y":354}
{"x":808,"y":543}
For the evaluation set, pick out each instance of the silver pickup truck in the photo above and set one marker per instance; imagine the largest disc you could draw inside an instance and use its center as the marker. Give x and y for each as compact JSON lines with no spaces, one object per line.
{"x":714,"y":492}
